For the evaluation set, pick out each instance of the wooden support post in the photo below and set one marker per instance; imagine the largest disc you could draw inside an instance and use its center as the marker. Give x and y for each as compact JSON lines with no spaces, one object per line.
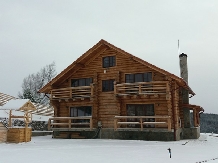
{"x":91,"y":124}
{"x":9,"y":122}
{"x":92,"y":90}
{"x":49,"y":124}
{"x":194,"y":117}
{"x":169,"y":124}
{"x":69,"y":123}
{"x":115,"y":124}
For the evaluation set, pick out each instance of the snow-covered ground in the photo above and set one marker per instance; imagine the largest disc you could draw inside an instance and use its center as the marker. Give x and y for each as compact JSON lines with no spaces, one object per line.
{"x":44,"y":149}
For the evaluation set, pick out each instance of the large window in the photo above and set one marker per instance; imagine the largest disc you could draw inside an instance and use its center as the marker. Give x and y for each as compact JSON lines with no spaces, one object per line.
{"x":81,"y":82}
{"x":139,"y":77}
{"x":80,"y":111}
{"x":107,"y":85}
{"x":109,"y":61}
{"x":141,"y":110}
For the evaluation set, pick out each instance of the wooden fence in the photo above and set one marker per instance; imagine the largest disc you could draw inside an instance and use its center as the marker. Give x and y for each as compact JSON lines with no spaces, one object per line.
{"x":140,"y":120}
{"x":67,"y":123}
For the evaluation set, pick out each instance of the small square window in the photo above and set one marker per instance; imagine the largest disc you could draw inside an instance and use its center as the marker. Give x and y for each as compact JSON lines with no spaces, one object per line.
{"x":109,"y":61}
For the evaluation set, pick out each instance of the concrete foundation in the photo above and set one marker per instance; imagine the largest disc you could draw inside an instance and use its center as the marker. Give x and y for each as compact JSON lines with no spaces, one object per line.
{"x":149,"y":135}
{"x":191,"y":133}
{"x":152,"y":135}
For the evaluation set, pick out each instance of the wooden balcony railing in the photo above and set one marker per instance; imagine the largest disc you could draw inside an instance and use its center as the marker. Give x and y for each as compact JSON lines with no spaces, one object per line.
{"x":140,"y":121}
{"x":72,"y":92}
{"x":142,"y":88}
{"x":67,"y":123}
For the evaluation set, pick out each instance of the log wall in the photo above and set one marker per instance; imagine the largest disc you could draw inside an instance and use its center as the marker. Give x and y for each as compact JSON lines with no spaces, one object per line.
{"x":105,"y":105}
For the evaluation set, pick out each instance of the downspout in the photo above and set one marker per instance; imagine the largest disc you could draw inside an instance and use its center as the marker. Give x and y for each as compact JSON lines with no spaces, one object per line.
{"x":173,"y":107}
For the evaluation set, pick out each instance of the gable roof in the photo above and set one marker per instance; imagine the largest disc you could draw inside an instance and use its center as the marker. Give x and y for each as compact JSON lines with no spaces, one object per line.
{"x":18,"y":104}
{"x":101,"y":46}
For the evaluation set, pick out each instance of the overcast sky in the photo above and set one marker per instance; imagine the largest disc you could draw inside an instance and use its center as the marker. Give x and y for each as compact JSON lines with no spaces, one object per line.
{"x":37,"y":32}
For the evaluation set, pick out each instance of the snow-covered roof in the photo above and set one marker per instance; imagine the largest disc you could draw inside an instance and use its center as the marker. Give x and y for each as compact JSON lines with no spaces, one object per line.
{"x":4,"y":98}
{"x":46,"y":110}
{"x":16,"y":104}
{"x":43,"y":110}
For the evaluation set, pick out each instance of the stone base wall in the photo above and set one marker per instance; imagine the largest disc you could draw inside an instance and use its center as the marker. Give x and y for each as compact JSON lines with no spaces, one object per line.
{"x":191,"y":133}
{"x":150,"y":135}
{"x":111,"y":134}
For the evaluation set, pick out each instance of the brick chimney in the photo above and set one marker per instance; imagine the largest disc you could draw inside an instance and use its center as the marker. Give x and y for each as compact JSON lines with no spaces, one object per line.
{"x":183,"y":66}
{"x":185,"y":93}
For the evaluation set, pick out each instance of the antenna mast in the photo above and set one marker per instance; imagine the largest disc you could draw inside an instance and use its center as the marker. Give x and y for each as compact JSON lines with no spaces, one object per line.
{"x":178,"y":48}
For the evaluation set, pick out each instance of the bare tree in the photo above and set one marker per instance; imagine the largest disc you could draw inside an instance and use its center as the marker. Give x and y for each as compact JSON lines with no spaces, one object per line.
{"x":33,"y":82}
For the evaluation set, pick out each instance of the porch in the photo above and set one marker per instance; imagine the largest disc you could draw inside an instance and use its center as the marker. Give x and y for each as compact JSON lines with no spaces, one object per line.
{"x":85,"y":123}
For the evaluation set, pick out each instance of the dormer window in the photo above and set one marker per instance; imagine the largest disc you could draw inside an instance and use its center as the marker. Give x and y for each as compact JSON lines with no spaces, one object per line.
{"x":109,"y":61}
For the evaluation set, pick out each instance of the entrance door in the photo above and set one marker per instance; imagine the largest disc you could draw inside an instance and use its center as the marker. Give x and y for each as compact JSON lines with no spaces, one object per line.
{"x":140,"y":110}
{"x":80,"y":112}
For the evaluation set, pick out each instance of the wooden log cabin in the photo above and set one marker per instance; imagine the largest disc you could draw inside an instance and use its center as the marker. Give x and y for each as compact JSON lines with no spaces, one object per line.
{"x":109,"y":93}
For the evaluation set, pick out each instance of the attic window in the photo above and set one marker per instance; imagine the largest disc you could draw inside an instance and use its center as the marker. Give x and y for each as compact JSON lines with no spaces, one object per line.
{"x":109,"y":61}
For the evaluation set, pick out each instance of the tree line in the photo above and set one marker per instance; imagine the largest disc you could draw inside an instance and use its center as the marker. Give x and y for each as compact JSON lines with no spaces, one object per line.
{"x":209,"y":123}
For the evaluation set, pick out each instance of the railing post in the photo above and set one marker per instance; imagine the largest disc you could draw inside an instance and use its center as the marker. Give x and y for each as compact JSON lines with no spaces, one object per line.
{"x":141,"y":123}
{"x":140,"y":88}
{"x":69,"y":123}
{"x":49,"y":124}
{"x":91,"y":124}
{"x":169,"y":123}
{"x":115,"y":124}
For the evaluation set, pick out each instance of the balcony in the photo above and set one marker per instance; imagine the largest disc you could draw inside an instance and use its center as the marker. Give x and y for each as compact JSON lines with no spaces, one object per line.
{"x":121,"y":123}
{"x":74,"y":93}
{"x":155,"y":88}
